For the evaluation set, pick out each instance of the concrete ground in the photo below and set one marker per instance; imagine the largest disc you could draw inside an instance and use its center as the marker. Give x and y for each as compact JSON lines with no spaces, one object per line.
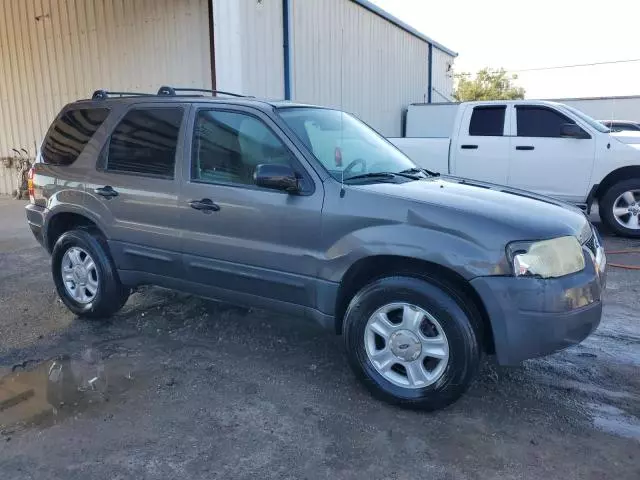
{"x":179,"y":387}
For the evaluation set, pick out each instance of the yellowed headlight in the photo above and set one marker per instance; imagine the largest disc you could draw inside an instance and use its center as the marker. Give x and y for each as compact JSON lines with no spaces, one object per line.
{"x":550,"y":258}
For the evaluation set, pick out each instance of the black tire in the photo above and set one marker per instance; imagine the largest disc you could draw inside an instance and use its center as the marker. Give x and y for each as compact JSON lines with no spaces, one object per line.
{"x":606,"y":205}
{"x":111,"y":295}
{"x":460,"y":323}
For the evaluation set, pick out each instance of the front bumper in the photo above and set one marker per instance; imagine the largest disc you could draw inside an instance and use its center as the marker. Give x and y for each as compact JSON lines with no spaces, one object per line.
{"x":533,"y":317}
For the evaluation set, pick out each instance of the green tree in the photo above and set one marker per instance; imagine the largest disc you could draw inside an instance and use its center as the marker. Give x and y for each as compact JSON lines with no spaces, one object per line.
{"x":488,"y":84}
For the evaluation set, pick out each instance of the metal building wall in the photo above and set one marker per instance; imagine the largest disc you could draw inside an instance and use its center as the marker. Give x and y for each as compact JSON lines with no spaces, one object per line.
{"x":442,"y":76}
{"x":55,"y":51}
{"x":262,"y":62}
{"x":249,"y":53}
{"x":343,"y":55}
{"x":607,"y":108}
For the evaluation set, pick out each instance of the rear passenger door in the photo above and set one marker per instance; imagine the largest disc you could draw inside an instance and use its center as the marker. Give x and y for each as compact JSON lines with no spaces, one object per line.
{"x":253,"y":241}
{"x":134,"y":189}
{"x":481,"y":151}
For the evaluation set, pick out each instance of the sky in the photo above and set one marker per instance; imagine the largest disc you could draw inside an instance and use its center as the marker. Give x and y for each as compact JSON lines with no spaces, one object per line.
{"x":523,"y":34}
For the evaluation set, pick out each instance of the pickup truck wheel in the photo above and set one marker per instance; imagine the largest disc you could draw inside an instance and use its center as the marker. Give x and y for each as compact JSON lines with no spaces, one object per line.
{"x":411,"y":342}
{"x":85,"y":275}
{"x":620,"y":208}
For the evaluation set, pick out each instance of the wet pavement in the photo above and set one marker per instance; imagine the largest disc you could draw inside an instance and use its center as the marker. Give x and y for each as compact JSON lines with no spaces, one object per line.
{"x":175,"y":386}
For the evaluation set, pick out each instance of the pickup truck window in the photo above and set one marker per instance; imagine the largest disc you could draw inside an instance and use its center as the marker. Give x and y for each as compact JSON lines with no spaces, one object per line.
{"x":487,"y":121}
{"x":342,"y":142}
{"x":540,"y":122}
{"x":586,"y":118}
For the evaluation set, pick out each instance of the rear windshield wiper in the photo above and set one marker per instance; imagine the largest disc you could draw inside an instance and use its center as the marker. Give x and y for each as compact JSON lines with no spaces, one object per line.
{"x":421,"y":170}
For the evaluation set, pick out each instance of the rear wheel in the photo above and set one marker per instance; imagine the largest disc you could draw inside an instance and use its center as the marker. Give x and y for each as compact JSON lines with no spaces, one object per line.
{"x":412,"y":342}
{"x":85,"y":275}
{"x":620,"y":208}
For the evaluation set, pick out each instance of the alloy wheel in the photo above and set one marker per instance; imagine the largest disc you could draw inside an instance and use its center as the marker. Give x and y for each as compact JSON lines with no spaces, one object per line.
{"x":406,"y":345}
{"x":79,"y":275}
{"x":626,"y":209}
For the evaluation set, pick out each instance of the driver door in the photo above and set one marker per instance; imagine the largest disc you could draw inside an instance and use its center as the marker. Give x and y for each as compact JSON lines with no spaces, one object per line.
{"x":546,"y":162}
{"x":252,"y":240}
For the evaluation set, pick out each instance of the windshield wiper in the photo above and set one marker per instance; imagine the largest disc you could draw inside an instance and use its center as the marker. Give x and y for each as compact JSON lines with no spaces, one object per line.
{"x":421,"y":170}
{"x":411,"y":174}
{"x":381,"y":175}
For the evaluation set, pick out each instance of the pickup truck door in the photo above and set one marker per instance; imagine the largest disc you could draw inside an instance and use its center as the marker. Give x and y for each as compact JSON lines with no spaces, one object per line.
{"x":544,"y":161}
{"x":480,"y":149}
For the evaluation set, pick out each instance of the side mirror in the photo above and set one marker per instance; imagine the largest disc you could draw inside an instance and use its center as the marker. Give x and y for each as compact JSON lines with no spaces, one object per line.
{"x":277,"y":177}
{"x":571,"y":130}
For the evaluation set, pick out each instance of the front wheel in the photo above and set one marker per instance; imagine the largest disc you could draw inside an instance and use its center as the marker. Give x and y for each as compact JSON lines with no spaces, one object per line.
{"x":412,"y":342}
{"x":85,"y":275}
{"x":620,"y":208}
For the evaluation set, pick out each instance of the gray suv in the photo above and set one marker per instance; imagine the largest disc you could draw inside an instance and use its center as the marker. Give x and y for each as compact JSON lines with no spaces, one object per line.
{"x":308,"y":211}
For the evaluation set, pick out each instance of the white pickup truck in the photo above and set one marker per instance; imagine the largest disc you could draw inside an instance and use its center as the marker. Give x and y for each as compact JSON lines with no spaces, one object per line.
{"x":545,"y":147}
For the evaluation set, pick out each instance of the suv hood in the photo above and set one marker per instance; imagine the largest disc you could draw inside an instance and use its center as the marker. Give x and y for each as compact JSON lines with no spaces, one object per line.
{"x":459,"y":203}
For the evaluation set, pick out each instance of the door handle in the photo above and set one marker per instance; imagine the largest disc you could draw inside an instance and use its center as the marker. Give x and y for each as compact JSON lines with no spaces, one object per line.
{"x":107,"y":191}
{"x":525,"y":147}
{"x":205,"y":205}
{"x":469,"y":147}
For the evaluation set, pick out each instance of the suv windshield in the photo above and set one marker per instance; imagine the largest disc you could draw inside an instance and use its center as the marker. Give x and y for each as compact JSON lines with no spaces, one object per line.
{"x":586,"y":118}
{"x":343,"y":144}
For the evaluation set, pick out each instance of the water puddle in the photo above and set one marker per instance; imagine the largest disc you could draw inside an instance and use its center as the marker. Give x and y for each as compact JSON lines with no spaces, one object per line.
{"x":616,"y":421}
{"x":58,"y":388}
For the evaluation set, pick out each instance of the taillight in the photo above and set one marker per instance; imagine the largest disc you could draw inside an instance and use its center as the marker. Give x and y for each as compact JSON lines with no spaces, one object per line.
{"x":30,"y":189}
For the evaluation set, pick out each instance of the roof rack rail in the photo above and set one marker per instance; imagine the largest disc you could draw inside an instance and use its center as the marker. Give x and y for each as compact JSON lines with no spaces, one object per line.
{"x":104,"y":94}
{"x":171,"y":91}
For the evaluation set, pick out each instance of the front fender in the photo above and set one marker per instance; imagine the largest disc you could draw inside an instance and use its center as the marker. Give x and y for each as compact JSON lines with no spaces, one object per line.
{"x":462,"y":255}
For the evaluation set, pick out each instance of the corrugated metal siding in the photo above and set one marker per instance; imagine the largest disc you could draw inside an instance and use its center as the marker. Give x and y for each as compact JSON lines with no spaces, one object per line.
{"x":249,"y":51}
{"x":55,"y":51}
{"x":8,"y":180}
{"x":442,"y":76}
{"x":262,"y":52}
{"x":343,"y":55}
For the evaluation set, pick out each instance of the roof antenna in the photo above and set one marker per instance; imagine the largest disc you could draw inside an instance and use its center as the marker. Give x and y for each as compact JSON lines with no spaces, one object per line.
{"x":613,"y":107}
{"x":339,"y":149}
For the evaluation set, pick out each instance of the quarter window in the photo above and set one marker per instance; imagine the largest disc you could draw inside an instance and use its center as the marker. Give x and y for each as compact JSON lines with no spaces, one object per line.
{"x":487,"y":121}
{"x":145,"y":142}
{"x":540,"y":122}
{"x":70,"y":133}
{"x":228,"y":146}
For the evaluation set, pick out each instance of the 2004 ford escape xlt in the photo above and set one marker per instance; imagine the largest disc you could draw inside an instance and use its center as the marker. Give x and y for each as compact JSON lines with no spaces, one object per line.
{"x":308,"y":211}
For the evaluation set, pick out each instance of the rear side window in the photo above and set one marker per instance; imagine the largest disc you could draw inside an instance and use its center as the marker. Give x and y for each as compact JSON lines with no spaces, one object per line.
{"x":540,"y":122}
{"x":487,"y":121}
{"x":70,"y":133}
{"x":145,"y":141}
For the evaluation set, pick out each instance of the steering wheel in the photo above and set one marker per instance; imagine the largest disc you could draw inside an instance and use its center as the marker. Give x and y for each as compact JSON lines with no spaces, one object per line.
{"x":353,"y":164}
